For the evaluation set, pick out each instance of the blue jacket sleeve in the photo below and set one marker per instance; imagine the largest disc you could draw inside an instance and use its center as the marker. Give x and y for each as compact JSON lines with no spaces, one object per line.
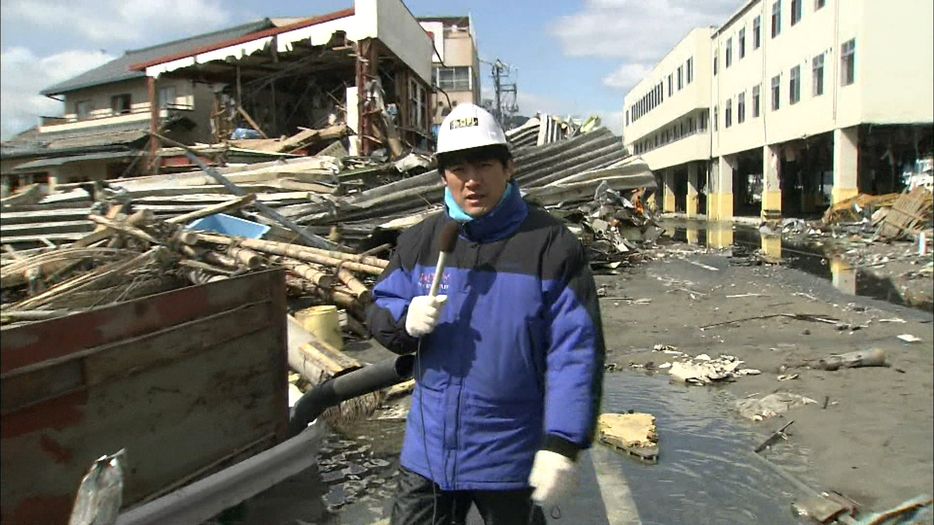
{"x":576,"y":353}
{"x":386,"y":314}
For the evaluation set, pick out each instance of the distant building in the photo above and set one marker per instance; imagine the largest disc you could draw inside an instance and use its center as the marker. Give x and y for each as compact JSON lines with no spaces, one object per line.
{"x":455,"y":65}
{"x":789,"y":106}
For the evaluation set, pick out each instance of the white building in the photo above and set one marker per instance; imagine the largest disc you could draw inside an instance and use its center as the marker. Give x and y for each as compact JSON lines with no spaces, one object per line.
{"x":788,"y":106}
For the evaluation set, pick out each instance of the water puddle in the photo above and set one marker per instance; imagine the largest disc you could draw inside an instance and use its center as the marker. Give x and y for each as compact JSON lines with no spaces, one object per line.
{"x":706,"y":472}
{"x":806,"y":256}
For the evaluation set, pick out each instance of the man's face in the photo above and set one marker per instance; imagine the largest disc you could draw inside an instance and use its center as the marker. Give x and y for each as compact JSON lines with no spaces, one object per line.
{"x":478,"y":186}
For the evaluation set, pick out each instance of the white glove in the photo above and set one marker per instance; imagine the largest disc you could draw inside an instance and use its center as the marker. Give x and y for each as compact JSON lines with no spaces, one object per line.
{"x":424,"y":312}
{"x":553,"y":475}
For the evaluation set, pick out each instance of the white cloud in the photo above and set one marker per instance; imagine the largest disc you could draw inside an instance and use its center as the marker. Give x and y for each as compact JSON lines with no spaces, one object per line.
{"x":110,"y":21}
{"x":627,"y":75}
{"x":638,"y":32}
{"x":23,"y":75}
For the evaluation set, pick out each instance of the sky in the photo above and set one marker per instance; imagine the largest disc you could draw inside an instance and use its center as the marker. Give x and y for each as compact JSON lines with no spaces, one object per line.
{"x":571,"y":57}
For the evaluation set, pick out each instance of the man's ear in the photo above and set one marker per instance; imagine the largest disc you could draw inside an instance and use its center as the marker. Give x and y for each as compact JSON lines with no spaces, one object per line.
{"x":510,"y":169}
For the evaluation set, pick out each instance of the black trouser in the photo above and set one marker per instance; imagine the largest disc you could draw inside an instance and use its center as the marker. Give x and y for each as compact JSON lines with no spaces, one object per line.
{"x":419,"y":501}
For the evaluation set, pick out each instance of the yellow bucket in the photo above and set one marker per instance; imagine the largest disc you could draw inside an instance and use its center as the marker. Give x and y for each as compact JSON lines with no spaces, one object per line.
{"x":323,"y":323}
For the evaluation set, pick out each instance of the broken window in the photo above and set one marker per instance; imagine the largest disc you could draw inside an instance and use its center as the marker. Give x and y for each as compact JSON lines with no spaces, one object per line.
{"x":741,"y":108}
{"x":166,"y":97}
{"x":417,"y":111}
{"x":776,"y":92}
{"x":453,"y":78}
{"x":796,"y":11}
{"x":848,"y":62}
{"x":728,"y":113}
{"x":776,"y":18}
{"x":794,"y":85}
{"x":755,"y":101}
{"x":817,"y":71}
{"x":729,"y":52}
{"x":83,"y":109}
{"x":120,"y":104}
{"x":741,"y":43}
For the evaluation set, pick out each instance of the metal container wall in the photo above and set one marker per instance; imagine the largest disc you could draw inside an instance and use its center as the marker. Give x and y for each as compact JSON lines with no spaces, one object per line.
{"x":188,"y":382}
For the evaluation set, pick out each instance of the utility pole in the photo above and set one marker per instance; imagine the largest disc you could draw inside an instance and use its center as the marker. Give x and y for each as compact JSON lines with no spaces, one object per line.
{"x":504,"y":91}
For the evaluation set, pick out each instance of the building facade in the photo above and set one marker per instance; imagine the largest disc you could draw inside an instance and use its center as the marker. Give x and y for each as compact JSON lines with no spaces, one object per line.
{"x":455,"y":63}
{"x":808,"y":102}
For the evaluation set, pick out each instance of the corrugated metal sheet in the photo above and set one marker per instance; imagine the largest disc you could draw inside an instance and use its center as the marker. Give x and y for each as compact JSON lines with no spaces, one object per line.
{"x":59,"y":161}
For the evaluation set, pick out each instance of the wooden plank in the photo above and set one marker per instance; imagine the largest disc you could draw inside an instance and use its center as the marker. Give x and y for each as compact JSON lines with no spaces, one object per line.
{"x":34,"y":343}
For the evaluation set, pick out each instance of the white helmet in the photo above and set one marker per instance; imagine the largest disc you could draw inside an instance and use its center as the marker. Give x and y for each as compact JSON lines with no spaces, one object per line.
{"x":469,"y":126}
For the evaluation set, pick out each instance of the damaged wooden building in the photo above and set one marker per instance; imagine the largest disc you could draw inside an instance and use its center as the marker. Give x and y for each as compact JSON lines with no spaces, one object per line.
{"x":367,"y":68}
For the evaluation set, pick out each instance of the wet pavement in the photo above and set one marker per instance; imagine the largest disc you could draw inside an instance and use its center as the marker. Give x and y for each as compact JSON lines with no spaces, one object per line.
{"x":812,"y":256}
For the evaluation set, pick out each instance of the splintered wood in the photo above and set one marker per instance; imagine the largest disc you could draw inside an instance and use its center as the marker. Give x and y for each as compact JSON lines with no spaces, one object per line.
{"x":910,"y":211}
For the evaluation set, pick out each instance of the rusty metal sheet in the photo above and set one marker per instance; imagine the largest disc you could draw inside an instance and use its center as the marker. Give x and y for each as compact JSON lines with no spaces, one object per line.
{"x":188,"y":382}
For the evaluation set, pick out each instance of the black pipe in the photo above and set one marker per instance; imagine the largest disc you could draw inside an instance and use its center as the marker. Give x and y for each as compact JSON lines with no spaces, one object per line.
{"x":356,"y":383}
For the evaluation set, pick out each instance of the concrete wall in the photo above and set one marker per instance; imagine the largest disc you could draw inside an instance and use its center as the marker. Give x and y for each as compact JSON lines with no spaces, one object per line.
{"x":693,"y":147}
{"x":897,"y":47}
{"x":692,"y":96}
{"x":399,"y":31}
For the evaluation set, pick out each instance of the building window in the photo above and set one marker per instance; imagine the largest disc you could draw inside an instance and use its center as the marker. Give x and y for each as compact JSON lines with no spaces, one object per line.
{"x":729,"y":52}
{"x":755,"y":101}
{"x":728,"y":114}
{"x":819,"y":4}
{"x":776,"y":92}
{"x":741,"y":108}
{"x":680,"y":77}
{"x":670,"y":86}
{"x":84,"y":109}
{"x":776,"y":18}
{"x":794,"y":85}
{"x":453,"y":78}
{"x":817,"y":70}
{"x":690,"y":69}
{"x":702,"y":121}
{"x":661,"y":92}
{"x":166,"y":97}
{"x":741,"y":43}
{"x":715,"y":65}
{"x":120,"y":104}
{"x":417,"y":109}
{"x":756,"y":32}
{"x":716,"y":114}
{"x":795,"y":11}
{"x":848,"y":62}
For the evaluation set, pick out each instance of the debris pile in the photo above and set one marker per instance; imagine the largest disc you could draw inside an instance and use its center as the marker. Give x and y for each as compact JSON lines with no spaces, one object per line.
{"x":888,"y":217}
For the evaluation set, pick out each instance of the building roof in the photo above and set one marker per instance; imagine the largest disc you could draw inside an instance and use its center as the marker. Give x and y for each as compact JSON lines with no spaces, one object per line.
{"x":119,"y":69}
{"x":59,"y":143}
{"x":460,"y":20}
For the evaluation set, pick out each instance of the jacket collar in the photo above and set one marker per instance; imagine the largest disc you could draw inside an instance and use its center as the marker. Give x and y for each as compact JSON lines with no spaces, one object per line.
{"x":501,"y":221}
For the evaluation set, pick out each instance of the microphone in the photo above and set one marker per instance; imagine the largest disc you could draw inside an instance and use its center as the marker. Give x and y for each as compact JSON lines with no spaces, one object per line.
{"x":448,"y":239}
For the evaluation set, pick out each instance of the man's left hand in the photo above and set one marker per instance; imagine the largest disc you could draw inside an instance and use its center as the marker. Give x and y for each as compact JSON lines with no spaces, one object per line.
{"x":553,"y":475}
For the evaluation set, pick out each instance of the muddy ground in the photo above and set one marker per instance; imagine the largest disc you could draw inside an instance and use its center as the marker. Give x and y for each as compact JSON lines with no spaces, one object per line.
{"x":873,"y":441}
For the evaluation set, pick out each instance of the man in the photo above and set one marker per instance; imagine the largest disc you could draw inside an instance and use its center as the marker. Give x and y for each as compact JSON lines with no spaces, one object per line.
{"x":510,"y":352}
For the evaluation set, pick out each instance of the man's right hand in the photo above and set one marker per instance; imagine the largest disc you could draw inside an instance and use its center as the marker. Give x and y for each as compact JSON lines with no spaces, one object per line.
{"x":423,"y":315}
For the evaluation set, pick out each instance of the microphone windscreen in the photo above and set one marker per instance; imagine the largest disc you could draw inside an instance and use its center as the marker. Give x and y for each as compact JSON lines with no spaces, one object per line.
{"x":449,"y":236}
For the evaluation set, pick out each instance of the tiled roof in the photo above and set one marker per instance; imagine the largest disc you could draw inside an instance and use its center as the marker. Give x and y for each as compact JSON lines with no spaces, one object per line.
{"x":119,"y":69}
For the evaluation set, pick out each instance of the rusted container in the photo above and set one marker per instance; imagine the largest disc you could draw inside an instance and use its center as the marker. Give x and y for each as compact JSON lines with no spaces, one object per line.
{"x":188,"y":382}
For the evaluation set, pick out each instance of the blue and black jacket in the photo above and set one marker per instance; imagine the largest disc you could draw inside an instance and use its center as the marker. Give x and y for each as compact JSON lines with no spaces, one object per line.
{"x":515,"y":363}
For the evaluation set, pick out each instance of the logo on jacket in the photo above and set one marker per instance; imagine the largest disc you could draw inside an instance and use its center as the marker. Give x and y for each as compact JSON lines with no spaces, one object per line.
{"x":425,"y":279}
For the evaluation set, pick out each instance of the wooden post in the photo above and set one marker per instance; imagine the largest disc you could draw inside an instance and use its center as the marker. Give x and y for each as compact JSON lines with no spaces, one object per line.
{"x":153,"y":126}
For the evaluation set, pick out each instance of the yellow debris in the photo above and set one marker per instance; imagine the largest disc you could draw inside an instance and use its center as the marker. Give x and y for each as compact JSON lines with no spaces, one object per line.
{"x":628,"y":430}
